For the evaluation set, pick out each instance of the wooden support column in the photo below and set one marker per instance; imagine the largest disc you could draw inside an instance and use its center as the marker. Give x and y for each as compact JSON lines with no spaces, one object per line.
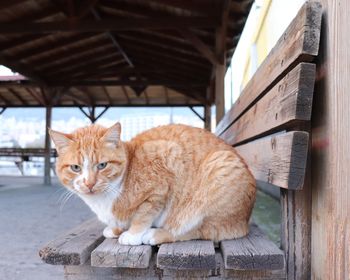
{"x":220,"y":91}
{"x":296,"y":228}
{"x":47,"y":176}
{"x":92,"y":114}
{"x":220,"y":67}
{"x":207,"y":110}
{"x":207,"y":117}
{"x":330,"y":250}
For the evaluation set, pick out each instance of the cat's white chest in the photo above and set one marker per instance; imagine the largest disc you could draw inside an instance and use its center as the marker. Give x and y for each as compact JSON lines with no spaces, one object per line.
{"x":102,"y":206}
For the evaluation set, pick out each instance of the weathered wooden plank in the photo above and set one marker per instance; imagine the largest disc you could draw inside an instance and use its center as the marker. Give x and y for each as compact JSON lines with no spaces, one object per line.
{"x":196,"y":254}
{"x":253,"y":252}
{"x":300,"y":42}
{"x":87,"y":272}
{"x":75,"y":246}
{"x":288,"y":102}
{"x":111,"y":254}
{"x":279,"y":160}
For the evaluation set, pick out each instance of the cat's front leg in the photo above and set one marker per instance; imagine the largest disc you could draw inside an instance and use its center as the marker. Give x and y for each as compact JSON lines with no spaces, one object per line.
{"x":140,"y":223}
{"x":112,"y":232}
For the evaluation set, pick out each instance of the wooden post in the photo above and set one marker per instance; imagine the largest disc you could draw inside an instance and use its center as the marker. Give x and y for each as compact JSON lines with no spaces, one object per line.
{"x":47,"y":177}
{"x":330,"y":253}
{"x":92,"y":114}
{"x":207,"y":117}
{"x":220,"y":70}
{"x":220,"y":91}
{"x":296,"y":229}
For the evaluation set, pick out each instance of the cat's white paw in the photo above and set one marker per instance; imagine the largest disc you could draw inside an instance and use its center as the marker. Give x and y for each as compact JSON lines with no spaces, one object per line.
{"x":127,"y":238}
{"x":148,"y":237}
{"x":108,"y":233}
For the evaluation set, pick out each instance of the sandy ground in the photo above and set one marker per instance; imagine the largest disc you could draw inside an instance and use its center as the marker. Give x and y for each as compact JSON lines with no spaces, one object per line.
{"x":30,"y":216}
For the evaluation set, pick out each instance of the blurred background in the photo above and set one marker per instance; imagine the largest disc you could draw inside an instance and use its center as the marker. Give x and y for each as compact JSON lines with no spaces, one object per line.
{"x":31,"y":215}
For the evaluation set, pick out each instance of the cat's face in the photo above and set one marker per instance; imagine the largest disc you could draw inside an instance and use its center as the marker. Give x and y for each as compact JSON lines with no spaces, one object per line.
{"x":90,"y":159}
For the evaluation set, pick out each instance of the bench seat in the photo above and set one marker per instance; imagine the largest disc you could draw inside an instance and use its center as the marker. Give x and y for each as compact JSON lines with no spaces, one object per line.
{"x":84,"y":249}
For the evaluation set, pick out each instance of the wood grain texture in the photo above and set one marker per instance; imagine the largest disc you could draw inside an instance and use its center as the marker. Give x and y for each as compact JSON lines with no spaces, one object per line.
{"x":75,"y":246}
{"x":253,"y":252}
{"x":111,"y":254}
{"x":300,"y":42}
{"x":196,"y":254}
{"x":330,"y":250}
{"x":87,"y":272}
{"x":279,"y":160}
{"x":287,"y":103}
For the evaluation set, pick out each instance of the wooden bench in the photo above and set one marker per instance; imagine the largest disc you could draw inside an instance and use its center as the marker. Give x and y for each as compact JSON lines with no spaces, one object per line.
{"x":269,"y":127}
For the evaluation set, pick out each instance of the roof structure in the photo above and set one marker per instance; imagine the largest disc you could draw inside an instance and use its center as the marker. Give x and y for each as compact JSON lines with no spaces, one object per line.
{"x":116,"y":52}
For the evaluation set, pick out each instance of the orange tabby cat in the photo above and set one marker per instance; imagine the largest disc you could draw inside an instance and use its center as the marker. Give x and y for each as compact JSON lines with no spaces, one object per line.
{"x":169,"y":183}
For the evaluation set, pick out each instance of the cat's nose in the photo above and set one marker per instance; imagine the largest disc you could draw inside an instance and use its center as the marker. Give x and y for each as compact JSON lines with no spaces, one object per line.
{"x":89,"y":184}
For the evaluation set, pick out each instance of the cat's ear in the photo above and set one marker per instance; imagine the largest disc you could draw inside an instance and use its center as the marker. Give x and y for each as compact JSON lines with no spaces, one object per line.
{"x":61,"y":140}
{"x":112,"y":135}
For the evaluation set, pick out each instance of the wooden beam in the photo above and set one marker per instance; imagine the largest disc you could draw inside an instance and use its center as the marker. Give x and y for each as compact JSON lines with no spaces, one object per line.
{"x":106,"y":93}
{"x":75,"y":104}
{"x":97,"y":16}
{"x":102,"y":112}
{"x":207,"y":117}
{"x":90,"y":62}
{"x":5,"y":100}
{"x":196,"y":113}
{"x":146,"y":96}
{"x":43,"y":91}
{"x":166,"y":95}
{"x":85,"y":91}
{"x":169,"y":55}
{"x":16,"y":94}
{"x":88,"y":115}
{"x":125,"y":83}
{"x":36,"y":96}
{"x":220,"y":69}
{"x":207,"y":112}
{"x":3,"y":109}
{"x":199,"y":45}
{"x":204,"y":7}
{"x":105,"y":25}
{"x":33,"y":54}
{"x":9,"y":4}
{"x":126,"y":95}
{"x":85,"y":58}
{"x":47,"y":168}
{"x":85,"y":7}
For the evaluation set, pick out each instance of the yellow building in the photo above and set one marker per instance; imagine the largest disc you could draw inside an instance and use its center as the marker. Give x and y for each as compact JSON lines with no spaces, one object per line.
{"x":266,"y":22}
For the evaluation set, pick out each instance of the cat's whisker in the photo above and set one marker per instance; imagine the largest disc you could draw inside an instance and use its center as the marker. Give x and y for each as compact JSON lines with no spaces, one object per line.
{"x":68,"y":196}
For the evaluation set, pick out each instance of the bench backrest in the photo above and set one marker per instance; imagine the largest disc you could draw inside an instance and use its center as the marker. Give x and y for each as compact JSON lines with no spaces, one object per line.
{"x":269,"y":126}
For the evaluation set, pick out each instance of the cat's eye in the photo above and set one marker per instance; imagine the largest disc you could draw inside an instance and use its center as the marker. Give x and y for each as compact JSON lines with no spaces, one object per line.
{"x":101,"y":165}
{"x":75,"y":168}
